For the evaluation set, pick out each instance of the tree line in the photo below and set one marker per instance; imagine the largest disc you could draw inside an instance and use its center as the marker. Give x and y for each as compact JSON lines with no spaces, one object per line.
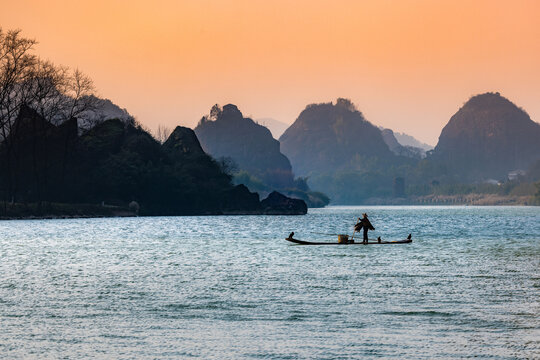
{"x":56,"y":93}
{"x":56,"y":148}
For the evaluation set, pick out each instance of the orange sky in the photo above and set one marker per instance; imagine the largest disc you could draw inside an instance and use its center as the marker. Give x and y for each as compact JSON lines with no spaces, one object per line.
{"x":408,"y":65}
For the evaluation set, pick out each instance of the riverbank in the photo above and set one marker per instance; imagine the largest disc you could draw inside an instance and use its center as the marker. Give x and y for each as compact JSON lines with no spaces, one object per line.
{"x":46,"y":210}
{"x":462,"y":199}
{"x":274,"y":204}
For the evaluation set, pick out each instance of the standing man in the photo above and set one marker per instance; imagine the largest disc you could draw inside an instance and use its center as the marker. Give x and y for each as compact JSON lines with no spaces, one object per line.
{"x":365,"y":224}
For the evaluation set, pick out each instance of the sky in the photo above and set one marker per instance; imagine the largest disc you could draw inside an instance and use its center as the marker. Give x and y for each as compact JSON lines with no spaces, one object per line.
{"x":408,"y":65}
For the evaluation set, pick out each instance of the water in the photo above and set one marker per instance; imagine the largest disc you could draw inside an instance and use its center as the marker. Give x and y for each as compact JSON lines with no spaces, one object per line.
{"x":231,"y":287}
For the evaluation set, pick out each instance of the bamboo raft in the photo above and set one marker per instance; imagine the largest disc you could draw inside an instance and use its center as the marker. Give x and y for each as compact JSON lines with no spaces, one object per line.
{"x":370,"y":242}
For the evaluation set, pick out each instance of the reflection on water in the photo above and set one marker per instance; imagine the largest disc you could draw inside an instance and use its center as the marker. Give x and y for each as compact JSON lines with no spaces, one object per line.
{"x":231,"y":287}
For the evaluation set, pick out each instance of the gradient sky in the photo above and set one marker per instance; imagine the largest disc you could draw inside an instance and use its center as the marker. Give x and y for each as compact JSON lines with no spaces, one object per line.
{"x":408,"y":65}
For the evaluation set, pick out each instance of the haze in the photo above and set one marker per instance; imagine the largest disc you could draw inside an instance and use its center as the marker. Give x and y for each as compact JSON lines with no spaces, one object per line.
{"x":408,"y":65}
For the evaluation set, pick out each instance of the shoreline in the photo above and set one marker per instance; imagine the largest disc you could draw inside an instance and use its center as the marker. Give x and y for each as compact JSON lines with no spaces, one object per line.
{"x":468,"y":199}
{"x":131,"y":215}
{"x":56,"y":211}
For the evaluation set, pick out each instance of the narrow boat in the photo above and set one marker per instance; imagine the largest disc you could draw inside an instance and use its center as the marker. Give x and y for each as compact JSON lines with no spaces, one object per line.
{"x":371,"y":242}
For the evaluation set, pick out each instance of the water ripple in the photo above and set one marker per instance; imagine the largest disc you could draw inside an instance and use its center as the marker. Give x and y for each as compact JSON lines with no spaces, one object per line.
{"x":230,"y":287}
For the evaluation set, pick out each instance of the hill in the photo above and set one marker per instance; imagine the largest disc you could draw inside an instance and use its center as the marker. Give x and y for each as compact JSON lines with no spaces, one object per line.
{"x":408,"y":140}
{"x":226,"y":133}
{"x":488,"y":137}
{"x":101,"y":110}
{"x":398,"y":149}
{"x":118,"y":164}
{"x":329,"y":137}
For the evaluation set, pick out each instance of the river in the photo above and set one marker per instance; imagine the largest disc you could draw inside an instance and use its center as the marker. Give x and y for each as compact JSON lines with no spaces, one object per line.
{"x":229,"y":287}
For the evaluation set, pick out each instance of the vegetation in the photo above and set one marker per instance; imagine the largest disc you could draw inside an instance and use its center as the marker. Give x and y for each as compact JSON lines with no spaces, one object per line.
{"x":54,"y":151}
{"x":343,"y":155}
{"x":47,"y":166}
{"x":116,"y":163}
{"x":328,"y":138}
{"x":488,"y":137}
{"x":225,"y":133}
{"x":249,"y":153}
{"x":299,"y":190}
{"x":537,"y":195}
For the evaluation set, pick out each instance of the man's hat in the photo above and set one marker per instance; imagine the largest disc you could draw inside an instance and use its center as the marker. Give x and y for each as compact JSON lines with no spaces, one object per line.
{"x":364,"y":214}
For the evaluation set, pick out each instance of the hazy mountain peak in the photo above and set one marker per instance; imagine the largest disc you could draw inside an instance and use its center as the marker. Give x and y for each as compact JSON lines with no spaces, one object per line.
{"x":409,"y":140}
{"x":327,"y":137}
{"x":487,"y":137}
{"x":226,"y":133}
{"x":231,"y":111}
{"x":276,"y":127}
{"x":102,"y":110}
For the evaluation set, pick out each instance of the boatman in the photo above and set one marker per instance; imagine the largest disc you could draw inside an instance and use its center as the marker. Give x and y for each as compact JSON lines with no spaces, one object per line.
{"x":365,"y":224}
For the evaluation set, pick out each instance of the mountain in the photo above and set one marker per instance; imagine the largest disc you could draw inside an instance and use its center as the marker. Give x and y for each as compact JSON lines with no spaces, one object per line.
{"x":226,"y":133}
{"x":408,"y":140}
{"x":328,"y":137}
{"x":276,"y":127}
{"x":121,"y":165}
{"x":183,"y":142}
{"x":101,"y":110}
{"x":398,"y":149}
{"x":488,"y":137}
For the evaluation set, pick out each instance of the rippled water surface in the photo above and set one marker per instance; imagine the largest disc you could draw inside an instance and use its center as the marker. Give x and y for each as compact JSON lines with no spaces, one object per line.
{"x":231,"y":287}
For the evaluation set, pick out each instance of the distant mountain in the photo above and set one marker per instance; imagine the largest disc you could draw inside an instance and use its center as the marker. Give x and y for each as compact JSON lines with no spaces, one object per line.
{"x":408,"y":140}
{"x":276,"y":127}
{"x":226,"y":133}
{"x":398,"y":149}
{"x":101,"y":110}
{"x":328,"y":137}
{"x":488,"y":137}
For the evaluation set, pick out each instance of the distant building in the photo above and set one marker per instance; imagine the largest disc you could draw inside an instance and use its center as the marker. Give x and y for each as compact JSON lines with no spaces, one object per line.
{"x":516,"y":174}
{"x":492,"y":182}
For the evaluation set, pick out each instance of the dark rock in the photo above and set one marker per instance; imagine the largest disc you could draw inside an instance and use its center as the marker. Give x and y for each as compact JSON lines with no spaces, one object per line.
{"x":183,"y":141}
{"x":278,"y":204}
{"x":239,"y":200}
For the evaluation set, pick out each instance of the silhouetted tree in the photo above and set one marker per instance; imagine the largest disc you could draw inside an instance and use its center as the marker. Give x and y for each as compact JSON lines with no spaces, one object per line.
{"x":17,"y":65}
{"x":162,"y":133}
{"x":55,"y":93}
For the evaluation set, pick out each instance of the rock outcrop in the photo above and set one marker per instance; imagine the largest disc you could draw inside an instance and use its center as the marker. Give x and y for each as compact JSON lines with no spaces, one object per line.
{"x":239,"y":200}
{"x":183,"y":142}
{"x":279,"y":204}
